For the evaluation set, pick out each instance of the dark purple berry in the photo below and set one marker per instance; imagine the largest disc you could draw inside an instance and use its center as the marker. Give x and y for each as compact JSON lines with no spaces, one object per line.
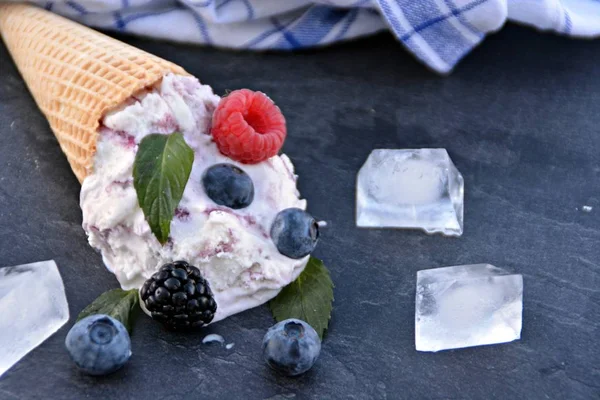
{"x":193,"y":305}
{"x":200,"y":289}
{"x":189,"y":289}
{"x":178,"y":296}
{"x":179,"y":273}
{"x":181,"y":264}
{"x":172,"y":284}
{"x":160,"y":276}
{"x":162,"y":295}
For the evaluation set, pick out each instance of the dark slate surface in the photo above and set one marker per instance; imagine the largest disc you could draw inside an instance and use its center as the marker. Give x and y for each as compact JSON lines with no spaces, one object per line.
{"x":519,"y":118}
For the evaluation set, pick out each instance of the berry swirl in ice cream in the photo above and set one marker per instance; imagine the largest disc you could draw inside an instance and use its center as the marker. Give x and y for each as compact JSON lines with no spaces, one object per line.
{"x":231,"y":245}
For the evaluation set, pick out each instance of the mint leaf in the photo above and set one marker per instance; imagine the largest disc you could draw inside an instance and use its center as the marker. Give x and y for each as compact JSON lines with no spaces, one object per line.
{"x":120,"y":304}
{"x":161,"y":170}
{"x":309,"y":297}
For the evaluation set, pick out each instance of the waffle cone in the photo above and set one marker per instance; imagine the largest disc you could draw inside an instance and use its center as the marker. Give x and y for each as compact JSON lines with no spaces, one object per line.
{"x":75,"y":75}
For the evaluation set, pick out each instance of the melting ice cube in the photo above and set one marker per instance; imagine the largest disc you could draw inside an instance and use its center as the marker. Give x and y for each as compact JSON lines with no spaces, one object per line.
{"x":33,"y":306}
{"x":410,"y":189}
{"x":467,"y":305}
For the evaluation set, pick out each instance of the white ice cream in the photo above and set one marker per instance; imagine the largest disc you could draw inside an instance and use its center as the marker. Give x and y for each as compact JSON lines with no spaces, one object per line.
{"x":232,"y":248}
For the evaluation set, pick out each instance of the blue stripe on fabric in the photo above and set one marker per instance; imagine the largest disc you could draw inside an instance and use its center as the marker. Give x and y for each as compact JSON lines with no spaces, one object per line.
{"x":435,"y":20}
{"x":463,"y":20}
{"x":262,"y":37}
{"x":391,"y":17}
{"x":419,"y":52}
{"x":49,"y":5}
{"x":201,"y":26}
{"x":350,"y":18}
{"x":199,"y":20}
{"x":439,"y":33}
{"x":204,"y":3}
{"x":133,"y":17}
{"x":119,"y":23}
{"x":314,"y":25}
{"x":460,"y":55}
{"x":223,"y":3}
{"x":421,"y":17}
{"x":399,"y":31}
{"x":249,"y":8}
{"x":568,"y":22}
{"x":287,"y":35}
{"x":268,"y":33}
{"x":77,"y":7}
{"x":246,"y":3}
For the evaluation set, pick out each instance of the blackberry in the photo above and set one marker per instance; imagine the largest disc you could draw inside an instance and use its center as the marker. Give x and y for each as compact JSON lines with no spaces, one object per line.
{"x":178,"y":296}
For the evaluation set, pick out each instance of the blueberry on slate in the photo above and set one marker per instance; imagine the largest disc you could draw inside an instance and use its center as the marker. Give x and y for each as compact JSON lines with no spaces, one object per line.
{"x":99,"y":344}
{"x":291,"y":347}
{"x":227,"y":185}
{"x":295,"y":233}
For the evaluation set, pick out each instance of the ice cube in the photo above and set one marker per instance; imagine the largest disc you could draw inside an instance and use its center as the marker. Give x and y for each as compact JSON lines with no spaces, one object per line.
{"x":33,"y":306}
{"x":411,"y":188}
{"x":467,"y":305}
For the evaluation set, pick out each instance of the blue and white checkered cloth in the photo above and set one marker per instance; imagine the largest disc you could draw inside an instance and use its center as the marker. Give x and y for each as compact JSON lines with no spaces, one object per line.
{"x":438,"y":32}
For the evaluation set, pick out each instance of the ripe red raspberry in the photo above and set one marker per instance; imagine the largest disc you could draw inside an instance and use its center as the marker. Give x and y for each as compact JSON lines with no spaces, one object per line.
{"x":248,"y":127}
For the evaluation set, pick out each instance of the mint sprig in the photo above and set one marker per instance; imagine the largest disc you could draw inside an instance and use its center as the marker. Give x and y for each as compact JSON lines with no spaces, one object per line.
{"x":309,"y":297}
{"x":120,"y":304}
{"x":162,"y":167}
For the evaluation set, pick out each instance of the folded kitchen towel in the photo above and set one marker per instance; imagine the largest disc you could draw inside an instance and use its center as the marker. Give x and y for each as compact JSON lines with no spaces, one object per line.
{"x":438,"y":32}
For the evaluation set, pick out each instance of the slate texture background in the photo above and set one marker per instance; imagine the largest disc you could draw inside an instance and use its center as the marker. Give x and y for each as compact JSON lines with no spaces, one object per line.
{"x":519,"y":118}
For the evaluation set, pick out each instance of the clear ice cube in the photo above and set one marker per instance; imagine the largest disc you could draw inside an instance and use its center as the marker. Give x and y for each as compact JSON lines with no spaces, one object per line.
{"x":467,"y":305}
{"x":411,"y":188}
{"x":33,"y":306}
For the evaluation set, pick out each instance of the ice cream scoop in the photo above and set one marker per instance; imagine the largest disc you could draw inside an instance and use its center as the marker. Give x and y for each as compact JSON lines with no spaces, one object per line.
{"x":101,"y":98}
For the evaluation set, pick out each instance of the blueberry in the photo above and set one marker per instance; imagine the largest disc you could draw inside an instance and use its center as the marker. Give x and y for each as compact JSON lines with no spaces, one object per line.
{"x":229,"y":186}
{"x":99,"y":344}
{"x":291,"y":347}
{"x":295,"y":233}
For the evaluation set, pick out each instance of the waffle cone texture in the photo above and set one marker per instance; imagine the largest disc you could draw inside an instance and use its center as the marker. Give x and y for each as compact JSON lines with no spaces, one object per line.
{"x":75,"y":75}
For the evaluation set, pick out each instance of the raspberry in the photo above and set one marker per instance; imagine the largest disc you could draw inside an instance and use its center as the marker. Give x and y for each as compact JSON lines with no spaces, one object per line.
{"x":248,"y":127}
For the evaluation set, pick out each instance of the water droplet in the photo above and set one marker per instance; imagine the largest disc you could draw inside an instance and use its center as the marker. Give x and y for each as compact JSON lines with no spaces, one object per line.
{"x":212,"y":338}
